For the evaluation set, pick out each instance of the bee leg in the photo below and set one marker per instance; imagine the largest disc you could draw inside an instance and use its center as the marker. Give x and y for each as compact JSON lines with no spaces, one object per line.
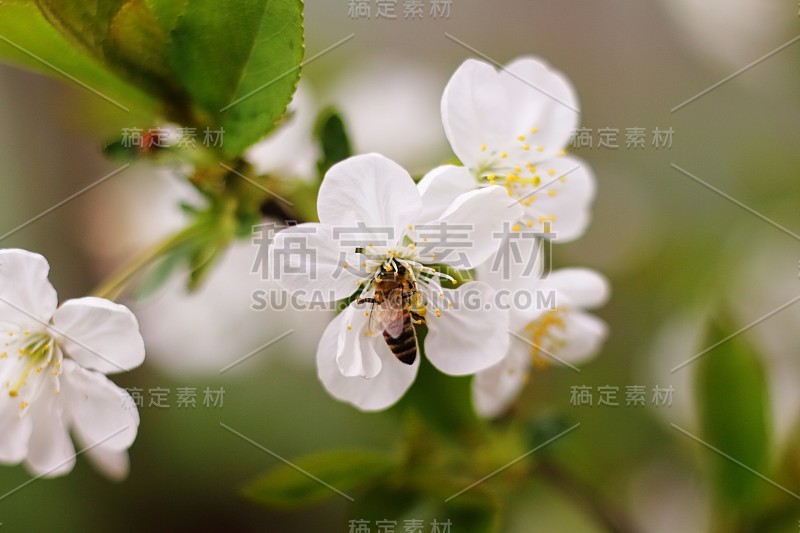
{"x":416,"y":318}
{"x":365,"y":301}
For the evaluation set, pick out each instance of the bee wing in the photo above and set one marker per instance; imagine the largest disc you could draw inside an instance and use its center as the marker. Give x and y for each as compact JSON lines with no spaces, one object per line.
{"x":389,"y":315}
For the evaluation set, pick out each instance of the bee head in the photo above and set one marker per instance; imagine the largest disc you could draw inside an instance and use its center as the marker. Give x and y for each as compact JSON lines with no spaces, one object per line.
{"x":390,"y":272}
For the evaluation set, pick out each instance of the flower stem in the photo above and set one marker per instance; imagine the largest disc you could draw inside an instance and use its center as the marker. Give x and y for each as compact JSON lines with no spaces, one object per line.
{"x":113,"y":286}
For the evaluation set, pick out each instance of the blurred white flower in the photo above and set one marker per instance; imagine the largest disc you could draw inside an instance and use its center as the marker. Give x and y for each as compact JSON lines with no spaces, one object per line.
{"x":765,"y":279}
{"x":202,"y":332}
{"x":51,"y":372}
{"x":393,"y":110}
{"x":510,"y":128}
{"x":190,"y":333}
{"x":741,"y":31}
{"x":290,"y":151}
{"x":549,"y":324}
{"x":373,"y":196}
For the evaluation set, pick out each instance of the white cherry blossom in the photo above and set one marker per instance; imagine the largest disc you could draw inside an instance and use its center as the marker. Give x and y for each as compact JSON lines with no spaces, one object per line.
{"x":550,"y":325}
{"x":52,"y":366}
{"x":376,"y":198}
{"x":510,"y":128}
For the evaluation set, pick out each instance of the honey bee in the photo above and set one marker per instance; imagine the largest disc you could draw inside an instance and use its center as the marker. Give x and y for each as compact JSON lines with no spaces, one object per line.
{"x":396,"y":308}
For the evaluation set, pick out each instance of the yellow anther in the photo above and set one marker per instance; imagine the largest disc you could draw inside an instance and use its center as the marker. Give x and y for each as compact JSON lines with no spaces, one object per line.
{"x":521,"y":137}
{"x":526,"y":146}
{"x":516,"y":227}
{"x":483,"y":148}
{"x":504,"y":155}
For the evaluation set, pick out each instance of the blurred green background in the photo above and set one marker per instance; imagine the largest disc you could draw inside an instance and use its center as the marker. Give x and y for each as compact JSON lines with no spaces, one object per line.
{"x":672,"y":249}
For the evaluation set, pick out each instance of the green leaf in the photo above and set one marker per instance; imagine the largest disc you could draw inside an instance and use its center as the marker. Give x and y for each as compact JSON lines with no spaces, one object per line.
{"x":124,"y":35}
{"x":332,"y":136}
{"x":167,"y":12}
{"x":28,"y":40}
{"x":162,"y":271}
{"x":240,"y":65}
{"x":732,"y":399}
{"x":346,"y":471}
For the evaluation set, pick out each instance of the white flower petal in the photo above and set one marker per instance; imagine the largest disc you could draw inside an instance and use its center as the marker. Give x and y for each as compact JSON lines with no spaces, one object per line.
{"x":475,"y":221}
{"x":517,"y":266}
{"x":16,"y":432}
{"x":583,"y":335}
{"x":98,"y":409}
{"x":114,"y":464}
{"x":564,"y":198}
{"x":309,"y":264}
{"x":357,"y":350}
{"x":526,"y":110}
{"x":494,"y":389}
{"x":374,"y":394}
{"x":543,"y":98}
{"x":581,"y":287}
{"x":440,"y":187}
{"x":470,"y":336}
{"x":368,"y":189}
{"x":99,"y":334}
{"x":51,"y":451}
{"x":26,"y":295}
{"x":475,"y":111}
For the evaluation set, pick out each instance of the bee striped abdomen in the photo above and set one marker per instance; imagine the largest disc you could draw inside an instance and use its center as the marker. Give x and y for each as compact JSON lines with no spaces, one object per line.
{"x":404,"y":347}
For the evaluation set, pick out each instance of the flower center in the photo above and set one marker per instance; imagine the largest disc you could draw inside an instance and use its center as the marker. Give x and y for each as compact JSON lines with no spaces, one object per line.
{"x":404,"y":260}
{"x":515,"y":168}
{"x":547,"y":336}
{"x":34,"y":352}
